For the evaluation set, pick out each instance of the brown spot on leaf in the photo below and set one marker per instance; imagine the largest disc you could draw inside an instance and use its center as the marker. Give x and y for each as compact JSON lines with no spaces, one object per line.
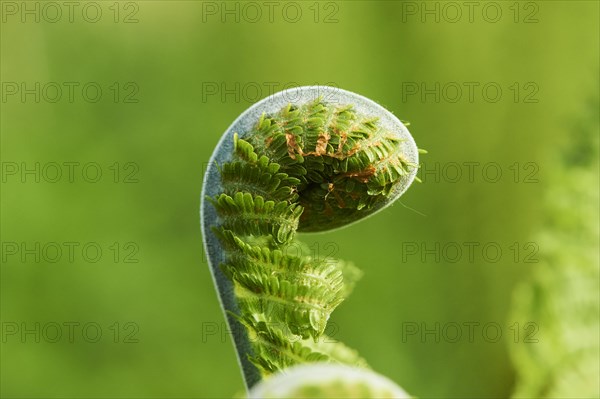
{"x":322,"y":141}
{"x":363,"y":175}
{"x":292,"y":145}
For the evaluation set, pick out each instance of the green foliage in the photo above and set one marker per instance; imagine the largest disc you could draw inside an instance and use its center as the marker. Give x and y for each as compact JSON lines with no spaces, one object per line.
{"x":344,"y":162}
{"x":300,"y":168}
{"x":562,"y":296}
{"x":275,"y":348}
{"x":255,"y":216}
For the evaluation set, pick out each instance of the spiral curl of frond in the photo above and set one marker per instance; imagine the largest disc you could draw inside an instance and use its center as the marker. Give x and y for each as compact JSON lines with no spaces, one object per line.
{"x":298,"y":170}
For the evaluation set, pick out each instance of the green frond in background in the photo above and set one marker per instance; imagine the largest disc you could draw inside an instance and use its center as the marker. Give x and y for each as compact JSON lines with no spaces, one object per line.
{"x":562,"y":297}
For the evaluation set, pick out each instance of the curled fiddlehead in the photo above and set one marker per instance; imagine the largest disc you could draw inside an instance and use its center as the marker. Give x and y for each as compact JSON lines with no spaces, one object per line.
{"x":326,"y":380}
{"x":303,"y":160}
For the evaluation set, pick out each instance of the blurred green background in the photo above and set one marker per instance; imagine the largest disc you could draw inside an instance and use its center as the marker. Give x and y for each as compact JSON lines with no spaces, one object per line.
{"x":173,"y":76}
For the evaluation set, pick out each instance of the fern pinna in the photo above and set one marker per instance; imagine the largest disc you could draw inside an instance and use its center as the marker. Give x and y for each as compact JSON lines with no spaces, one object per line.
{"x":307,"y":167}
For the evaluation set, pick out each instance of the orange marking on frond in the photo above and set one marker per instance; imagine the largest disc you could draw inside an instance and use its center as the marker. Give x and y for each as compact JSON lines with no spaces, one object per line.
{"x":321,"y":147}
{"x":363,"y":175}
{"x":292,"y":145}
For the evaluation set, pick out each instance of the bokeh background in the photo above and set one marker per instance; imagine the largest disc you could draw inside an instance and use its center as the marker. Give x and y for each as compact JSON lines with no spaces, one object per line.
{"x":145,"y":318}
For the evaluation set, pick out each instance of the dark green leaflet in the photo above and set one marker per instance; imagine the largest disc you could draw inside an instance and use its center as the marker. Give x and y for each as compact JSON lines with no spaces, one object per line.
{"x":304,"y":168}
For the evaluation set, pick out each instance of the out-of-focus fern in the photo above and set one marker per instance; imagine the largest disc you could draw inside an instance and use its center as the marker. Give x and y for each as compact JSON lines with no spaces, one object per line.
{"x":563,"y":294}
{"x":326,"y":380}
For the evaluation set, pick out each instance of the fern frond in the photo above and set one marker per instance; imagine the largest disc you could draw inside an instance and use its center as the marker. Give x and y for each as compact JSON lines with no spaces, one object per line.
{"x":337,"y":351}
{"x":260,"y":180}
{"x":275,"y":348}
{"x":252,"y":215}
{"x":302,"y":168}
